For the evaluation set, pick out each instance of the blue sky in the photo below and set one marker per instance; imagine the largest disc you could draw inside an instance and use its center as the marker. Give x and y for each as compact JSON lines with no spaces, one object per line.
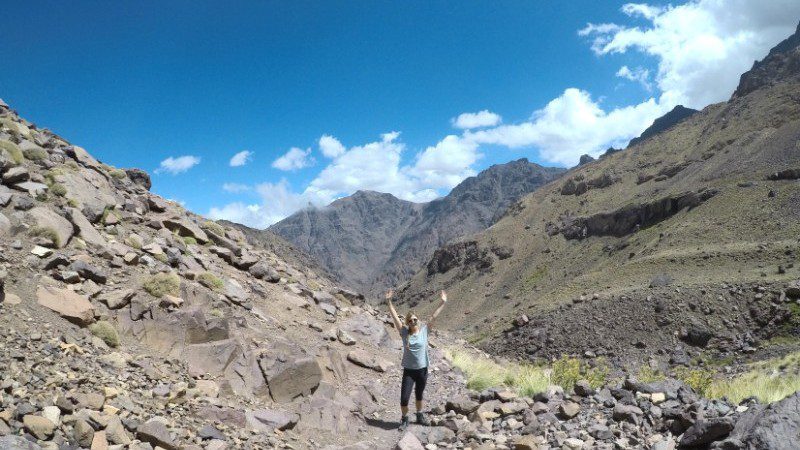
{"x":144,"y":84}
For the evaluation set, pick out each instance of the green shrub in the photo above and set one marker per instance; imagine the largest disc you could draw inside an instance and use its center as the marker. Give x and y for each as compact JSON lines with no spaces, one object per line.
{"x":35,"y":154}
{"x":47,"y":233}
{"x":72,"y":202}
{"x":189,"y":240}
{"x":568,"y":371}
{"x":13,"y":151}
{"x":105,"y":331}
{"x":698,"y":379}
{"x":161,"y":257}
{"x":211,"y":281}
{"x":162,"y":284}
{"x":213,"y":227}
{"x":58,"y":189}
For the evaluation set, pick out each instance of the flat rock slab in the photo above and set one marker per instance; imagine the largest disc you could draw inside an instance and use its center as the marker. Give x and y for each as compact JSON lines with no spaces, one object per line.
{"x":69,"y":305}
{"x":47,"y":219}
{"x":364,"y":359}
{"x":300,"y":377}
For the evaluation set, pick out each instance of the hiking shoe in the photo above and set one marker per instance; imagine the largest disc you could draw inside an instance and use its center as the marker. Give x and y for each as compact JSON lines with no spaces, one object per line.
{"x":403,"y":423}
{"x":422,"y":420}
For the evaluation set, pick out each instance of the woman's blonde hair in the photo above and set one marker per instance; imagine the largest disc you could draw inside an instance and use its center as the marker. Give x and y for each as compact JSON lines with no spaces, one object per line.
{"x":408,"y":318}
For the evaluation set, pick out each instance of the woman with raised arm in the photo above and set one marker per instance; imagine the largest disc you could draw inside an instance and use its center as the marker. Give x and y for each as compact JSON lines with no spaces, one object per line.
{"x":415,"y":357}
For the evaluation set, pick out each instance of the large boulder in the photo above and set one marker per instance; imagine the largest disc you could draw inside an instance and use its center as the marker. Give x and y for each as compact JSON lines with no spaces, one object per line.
{"x":300,"y":377}
{"x":45,"y":220}
{"x":139,"y":177}
{"x":85,"y":229}
{"x":17,"y":443}
{"x":69,"y":305}
{"x":768,"y":427}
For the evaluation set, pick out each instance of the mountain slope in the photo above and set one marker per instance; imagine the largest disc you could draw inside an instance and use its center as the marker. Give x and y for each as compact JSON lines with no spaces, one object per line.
{"x":371,"y":241}
{"x":663,"y":123}
{"x":643,"y":251}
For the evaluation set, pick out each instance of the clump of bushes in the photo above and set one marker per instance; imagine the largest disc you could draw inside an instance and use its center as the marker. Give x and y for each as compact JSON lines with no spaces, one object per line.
{"x":13,"y":151}
{"x":105,"y":331}
{"x":210,"y":281}
{"x":47,"y":233}
{"x":162,"y":284}
{"x":35,"y":154}
{"x":189,"y":240}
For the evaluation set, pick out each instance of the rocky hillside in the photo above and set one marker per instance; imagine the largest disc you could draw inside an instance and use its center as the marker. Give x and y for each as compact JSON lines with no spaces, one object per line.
{"x":371,"y":241}
{"x":663,"y":123}
{"x":129,"y":322}
{"x":682,"y":247}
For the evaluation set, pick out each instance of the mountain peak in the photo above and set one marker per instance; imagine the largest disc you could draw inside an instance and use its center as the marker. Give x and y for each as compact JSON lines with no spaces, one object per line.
{"x":782,"y":62}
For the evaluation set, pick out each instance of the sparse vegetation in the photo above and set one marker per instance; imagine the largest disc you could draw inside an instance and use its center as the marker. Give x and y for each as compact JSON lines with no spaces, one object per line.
{"x":768,"y":381}
{"x":58,"y":189}
{"x":35,"y":154}
{"x":117,"y":173}
{"x":698,"y":379}
{"x":210,"y":281}
{"x":213,"y":227}
{"x":47,"y":233}
{"x":161,"y":284}
{"x":484,"y":373}
{"x":647,"y":374}
{"x":161,"y":257}
{"x":567,"y":371}
{"x":105,"y":331}
{"x":189,"y":240}
{"x":13,"y":151}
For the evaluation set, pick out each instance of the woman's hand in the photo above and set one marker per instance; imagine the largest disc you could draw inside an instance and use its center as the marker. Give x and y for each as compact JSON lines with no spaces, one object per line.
{"x":389,"y":294}
{"x":444,"y":297}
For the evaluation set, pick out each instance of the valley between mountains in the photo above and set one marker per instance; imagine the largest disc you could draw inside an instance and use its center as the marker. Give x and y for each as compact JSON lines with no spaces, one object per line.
{"x":649,"y":299}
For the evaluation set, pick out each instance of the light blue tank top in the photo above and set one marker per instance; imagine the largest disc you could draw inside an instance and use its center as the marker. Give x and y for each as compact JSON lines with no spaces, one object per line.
{"x":415,"y":348}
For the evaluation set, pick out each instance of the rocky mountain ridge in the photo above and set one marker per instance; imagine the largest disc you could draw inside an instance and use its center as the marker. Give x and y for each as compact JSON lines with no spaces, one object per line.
{"x":372,"y":241}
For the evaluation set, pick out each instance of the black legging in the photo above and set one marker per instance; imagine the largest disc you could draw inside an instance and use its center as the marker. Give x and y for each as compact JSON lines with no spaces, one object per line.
{"x":413,"y":377}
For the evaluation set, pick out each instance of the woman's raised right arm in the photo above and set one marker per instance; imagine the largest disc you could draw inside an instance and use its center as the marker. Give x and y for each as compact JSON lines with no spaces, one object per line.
{"x":392,"y":311}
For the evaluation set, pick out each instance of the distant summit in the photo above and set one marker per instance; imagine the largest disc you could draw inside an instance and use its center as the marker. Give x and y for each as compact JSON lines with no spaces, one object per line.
{"x":665,"y":122}
{"x":374,"y":240}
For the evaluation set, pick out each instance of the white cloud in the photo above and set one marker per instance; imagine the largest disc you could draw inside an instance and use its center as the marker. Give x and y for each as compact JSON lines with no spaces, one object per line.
{"x":330,"y":146}
{"x":294,"y":159}
{"x":277,"y":201}
{"x":235,"y":188}
{"x":373,"y":166}
{"x":479,"y":119}
{"x":176,"y":165}
{"x":571,"y":125}
{"x":241,"y":158}
{"x":702,"y":46}
{"x":639,"y":75}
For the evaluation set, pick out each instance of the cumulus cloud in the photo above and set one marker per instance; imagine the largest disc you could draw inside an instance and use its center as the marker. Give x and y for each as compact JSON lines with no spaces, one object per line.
{"x":479,"y":119}
{"x":701,"y":47}
{"x":241,"y":158}
{"x":294,"y":159}
{"x":639,"y":75}
{"x":330,"y":146}
{"x":571,"y":125}
{"x":176,"y":165}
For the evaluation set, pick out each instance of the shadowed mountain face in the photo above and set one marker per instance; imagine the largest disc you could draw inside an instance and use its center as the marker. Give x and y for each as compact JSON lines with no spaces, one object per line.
{"x":642,"y":251}
{"x":372,"y":241}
